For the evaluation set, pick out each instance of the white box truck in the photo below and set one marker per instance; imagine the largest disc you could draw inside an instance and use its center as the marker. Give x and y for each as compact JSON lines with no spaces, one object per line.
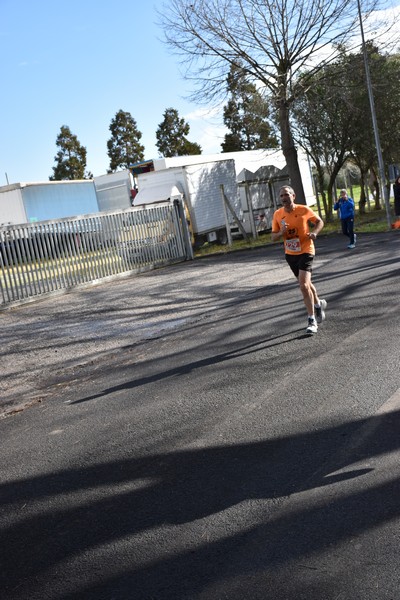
{"x":202,"y":186}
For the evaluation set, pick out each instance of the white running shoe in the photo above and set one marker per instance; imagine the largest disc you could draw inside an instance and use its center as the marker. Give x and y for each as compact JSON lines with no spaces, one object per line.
{"x":320,"y":311}
{"x":312,"y":326}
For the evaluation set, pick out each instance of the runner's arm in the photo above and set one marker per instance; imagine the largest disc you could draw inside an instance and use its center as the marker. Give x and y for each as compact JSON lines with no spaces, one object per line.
{"x":276,"y":235}
{"x":318,"y":226}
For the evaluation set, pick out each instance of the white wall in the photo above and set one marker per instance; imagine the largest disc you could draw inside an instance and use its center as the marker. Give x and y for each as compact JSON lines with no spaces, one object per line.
{"x":12,"y":211}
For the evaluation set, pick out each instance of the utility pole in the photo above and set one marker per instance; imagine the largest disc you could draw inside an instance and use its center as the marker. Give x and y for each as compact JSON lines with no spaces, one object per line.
{"x":382,"y":174}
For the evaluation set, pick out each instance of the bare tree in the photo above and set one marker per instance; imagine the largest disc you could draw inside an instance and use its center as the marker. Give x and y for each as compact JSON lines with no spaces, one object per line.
{"x":274,"y":41}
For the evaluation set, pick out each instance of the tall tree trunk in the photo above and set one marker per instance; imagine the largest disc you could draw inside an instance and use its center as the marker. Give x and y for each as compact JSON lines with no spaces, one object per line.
{"x":363,"y":197}
{"x":321,"y":182}
{"x":374,"y":184}
{"x":332,"y":186}
{"x":290,"y":152}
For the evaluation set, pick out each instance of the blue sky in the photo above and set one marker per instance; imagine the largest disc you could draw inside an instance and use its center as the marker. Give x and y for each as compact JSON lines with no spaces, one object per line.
{"x":77,"y":63}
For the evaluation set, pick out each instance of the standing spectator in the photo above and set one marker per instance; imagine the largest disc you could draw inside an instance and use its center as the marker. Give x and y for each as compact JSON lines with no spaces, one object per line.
{"x":396,"y":192}
{"x":345,"y":206}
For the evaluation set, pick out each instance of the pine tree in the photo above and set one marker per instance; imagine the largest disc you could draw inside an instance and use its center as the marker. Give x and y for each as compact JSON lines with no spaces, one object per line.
{"x":124,"y":147}
{"x":246,"y":115}
{"x":171,"y":136}
{"x":70,"y":159}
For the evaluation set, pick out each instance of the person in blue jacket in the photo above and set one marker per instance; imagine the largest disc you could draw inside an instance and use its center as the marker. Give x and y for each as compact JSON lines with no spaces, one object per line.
{"x":345,"y":206}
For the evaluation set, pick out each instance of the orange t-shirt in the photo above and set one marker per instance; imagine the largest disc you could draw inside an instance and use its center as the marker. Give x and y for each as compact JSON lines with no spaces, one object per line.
{"x":296,"y":239}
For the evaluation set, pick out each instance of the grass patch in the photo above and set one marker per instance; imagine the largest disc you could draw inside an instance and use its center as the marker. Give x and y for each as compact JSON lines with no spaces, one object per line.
{"x":373,"y":221}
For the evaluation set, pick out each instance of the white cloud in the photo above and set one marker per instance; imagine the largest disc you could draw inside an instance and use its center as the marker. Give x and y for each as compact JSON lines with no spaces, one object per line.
{"x":381,"y":26}
{"x":205,"y":113}
{"x":207,"y":128}
{"x":211,"y":139}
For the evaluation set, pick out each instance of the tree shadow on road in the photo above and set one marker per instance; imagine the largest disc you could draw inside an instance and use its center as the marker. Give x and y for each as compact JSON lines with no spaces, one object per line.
{"x":133,"y":528}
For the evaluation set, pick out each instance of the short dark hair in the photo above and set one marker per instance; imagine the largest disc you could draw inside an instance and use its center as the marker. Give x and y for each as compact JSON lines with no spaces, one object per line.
{"x":287,"y":187}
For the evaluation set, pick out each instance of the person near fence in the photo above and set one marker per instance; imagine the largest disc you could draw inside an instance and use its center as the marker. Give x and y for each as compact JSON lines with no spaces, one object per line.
{"x":396,"y":193}
{"x":345,"y":205}
{"x":291,"y":223}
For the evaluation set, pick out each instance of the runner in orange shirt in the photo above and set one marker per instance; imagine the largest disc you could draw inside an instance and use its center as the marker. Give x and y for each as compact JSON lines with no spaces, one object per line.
{"x":292,"y":224}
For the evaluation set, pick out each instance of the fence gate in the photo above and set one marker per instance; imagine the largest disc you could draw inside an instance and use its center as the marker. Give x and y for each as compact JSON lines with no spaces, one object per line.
{"x":46,"y":257}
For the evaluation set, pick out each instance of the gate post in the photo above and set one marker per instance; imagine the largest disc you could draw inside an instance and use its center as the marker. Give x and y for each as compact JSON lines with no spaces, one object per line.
{"x":184,"y":229}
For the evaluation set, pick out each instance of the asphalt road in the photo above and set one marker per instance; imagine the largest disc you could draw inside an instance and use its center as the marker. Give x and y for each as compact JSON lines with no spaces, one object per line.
{"x":178,"y":437}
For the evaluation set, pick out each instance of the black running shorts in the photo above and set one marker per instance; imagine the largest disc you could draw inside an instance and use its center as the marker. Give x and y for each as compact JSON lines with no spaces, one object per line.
{"x":300,"y":262}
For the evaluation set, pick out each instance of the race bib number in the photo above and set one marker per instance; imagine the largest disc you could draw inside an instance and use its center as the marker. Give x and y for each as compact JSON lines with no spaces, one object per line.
{"x":293,"y":245}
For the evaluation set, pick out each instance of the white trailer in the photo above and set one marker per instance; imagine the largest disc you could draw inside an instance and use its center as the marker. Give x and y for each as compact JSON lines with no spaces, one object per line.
{"x":250,"y":160}
{"x":207,"y":188}
{"x":43,"y":201}
{"x":114,"y":191}
{"x":258,"y":175}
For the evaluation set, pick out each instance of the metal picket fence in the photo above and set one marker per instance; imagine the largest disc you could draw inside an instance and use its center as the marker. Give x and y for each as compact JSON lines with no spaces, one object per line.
{"x":50,"y":256}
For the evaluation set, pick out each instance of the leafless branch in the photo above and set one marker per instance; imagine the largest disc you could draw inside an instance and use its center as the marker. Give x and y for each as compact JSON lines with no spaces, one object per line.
{"x":274,"y":40}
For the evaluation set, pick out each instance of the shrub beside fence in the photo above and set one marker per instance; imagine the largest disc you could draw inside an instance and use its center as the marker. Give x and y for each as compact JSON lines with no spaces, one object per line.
{"x":46,"y":257}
